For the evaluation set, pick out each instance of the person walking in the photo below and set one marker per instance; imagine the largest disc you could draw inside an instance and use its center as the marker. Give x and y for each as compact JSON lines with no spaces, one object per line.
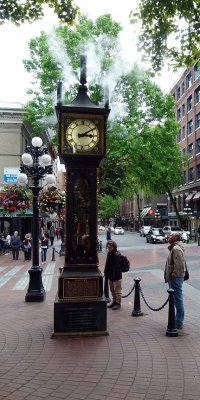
{"x":44,"y":248}
{"x":113,"y":273}
{"x":174,"y":275}
{"x":15,"y":245}
{"x":108,"y":233}
{"x":52,"y":234}
{"x":26,"y":247}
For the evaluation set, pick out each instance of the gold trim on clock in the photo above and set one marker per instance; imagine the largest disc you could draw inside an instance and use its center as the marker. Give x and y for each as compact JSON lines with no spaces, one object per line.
{"x":82,"y":135}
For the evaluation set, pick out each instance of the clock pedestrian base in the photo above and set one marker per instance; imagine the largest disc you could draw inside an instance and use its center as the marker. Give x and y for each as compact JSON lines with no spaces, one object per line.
{"x":80,"y":307}
{"x":80,"y":317}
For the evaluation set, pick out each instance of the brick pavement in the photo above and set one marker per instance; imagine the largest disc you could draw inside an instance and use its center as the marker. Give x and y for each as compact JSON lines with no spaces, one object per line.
{"x":136,"y":361}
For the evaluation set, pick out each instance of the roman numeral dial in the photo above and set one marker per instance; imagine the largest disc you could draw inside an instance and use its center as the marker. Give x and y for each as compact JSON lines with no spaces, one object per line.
{"x":82,"y":135}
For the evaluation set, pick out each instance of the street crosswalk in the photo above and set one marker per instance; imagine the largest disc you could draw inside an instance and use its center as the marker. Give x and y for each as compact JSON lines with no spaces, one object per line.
{"x":22,"y":278}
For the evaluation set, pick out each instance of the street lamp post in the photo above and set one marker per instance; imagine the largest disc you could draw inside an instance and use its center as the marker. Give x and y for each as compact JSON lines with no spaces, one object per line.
{"x":157,"y":217}
{"x":36,"y":163}
{"x":188,"y":210}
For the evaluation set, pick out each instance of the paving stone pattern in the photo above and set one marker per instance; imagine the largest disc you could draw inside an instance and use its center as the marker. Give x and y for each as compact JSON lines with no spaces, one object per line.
{"x":135,"y":362}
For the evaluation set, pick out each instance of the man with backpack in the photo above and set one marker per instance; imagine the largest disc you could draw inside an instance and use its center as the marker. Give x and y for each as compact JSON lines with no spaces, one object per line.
{"x":113,"y":273}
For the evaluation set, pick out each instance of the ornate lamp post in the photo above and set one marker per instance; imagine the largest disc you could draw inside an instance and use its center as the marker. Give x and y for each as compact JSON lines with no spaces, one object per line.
{"x":36,"y":163}
{"x":157,"y":217}
{"x":188,"y":212}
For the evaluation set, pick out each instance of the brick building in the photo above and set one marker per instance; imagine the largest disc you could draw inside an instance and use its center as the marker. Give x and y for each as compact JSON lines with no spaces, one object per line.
{"x":186,"y":92}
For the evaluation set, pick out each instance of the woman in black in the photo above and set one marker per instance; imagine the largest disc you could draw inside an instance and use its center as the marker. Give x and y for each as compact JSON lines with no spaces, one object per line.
{"x":113,"y":273}
{"x":26,"y":247}
{"x":44,"y":247}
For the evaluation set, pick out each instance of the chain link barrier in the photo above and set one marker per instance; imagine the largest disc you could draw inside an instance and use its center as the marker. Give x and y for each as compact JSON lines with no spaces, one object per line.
{"x":142,"y":294}
{"x":151,"y":308}
{"x":123,"y":297}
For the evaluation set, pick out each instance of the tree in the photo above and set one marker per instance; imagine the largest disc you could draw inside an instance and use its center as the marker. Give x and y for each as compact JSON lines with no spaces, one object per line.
{"x":52,"y":55}
{"x":169,"y":29}
{"x":108,"y":206}
{"x":18,"y":12}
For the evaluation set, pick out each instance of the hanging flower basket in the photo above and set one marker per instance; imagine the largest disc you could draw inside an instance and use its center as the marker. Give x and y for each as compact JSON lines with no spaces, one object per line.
{"x":51,"y":201}
{"x":15,"y":199}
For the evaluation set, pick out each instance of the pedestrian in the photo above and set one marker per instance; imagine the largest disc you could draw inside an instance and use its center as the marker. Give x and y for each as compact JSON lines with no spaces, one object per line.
{"x":27,"y":246}
{"x":174,"y":275}
{"x":108,"y":233}
{"x":52,"y":233}
{"x":44,"y":248}
{"x":198,"y":231}
{"x":15,"y":245}
{"x":113,"y":273}
{"x":58,"y":233}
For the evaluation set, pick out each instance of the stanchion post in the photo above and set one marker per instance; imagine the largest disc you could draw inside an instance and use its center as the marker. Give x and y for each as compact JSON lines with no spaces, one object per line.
{"x":53,"y":254}
{"x":106,"y":290}
{"x":171,"y":328}
{"x":136,"y":311}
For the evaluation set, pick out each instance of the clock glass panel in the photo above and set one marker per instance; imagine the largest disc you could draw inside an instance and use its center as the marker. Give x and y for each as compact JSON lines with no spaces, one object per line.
{"x":82,"y":135}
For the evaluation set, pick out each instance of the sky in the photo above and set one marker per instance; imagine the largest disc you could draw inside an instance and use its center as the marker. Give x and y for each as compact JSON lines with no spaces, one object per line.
{"x":15,"y":80}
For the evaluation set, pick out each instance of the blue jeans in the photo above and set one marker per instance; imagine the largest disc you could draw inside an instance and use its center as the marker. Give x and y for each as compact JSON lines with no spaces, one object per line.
{"x":176,"y":284}
{"x":43,"y":254}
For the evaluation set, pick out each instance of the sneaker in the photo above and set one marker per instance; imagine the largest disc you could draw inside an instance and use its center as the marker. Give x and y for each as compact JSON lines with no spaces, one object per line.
{"x":178,"y":326}
{"x":111,"y":305}
{"x":117,"y":306}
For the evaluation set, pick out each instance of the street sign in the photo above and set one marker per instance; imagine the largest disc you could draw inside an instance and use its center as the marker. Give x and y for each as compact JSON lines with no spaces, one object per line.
{"x":10,"y":174}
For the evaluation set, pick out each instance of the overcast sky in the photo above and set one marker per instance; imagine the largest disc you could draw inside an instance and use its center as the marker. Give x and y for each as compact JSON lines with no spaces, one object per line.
{"x":15,"y":81}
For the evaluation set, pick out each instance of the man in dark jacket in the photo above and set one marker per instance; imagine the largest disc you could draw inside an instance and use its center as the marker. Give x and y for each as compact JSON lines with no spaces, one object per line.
{"x":113,"y":273}
{"x":15,"y":245}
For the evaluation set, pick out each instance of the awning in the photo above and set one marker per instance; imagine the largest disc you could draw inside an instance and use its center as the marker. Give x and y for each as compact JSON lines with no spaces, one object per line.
{"x":189,"y":197}
{"x":145,"y":211}
{"x":196,"y":196}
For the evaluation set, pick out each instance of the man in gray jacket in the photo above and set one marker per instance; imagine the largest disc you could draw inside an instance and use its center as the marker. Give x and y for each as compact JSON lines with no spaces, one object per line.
{"x":174,"y":275}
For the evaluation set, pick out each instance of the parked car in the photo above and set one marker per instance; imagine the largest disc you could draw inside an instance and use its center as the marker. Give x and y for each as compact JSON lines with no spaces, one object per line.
{"x":144,"y":230}
{"x":168,"y":230}
{"x":118,"y":230}
{"x":156,"y":235}
{"x":102,"y":228}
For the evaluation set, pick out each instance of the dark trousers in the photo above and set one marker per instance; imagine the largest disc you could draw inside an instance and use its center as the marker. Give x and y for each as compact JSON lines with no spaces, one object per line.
{"x":44,"y":254}
{"x":15,"y":253}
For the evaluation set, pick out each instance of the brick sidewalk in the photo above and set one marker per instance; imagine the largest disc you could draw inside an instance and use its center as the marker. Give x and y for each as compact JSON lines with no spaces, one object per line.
{"x":136,"y":361}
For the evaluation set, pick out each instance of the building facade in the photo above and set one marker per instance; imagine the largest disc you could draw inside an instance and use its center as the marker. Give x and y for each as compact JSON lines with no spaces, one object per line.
{"x":186,"y":92}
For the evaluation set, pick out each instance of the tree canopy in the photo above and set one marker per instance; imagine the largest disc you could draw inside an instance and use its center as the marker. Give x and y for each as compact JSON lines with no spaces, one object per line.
{"x":169,"y":29}
{"x":17,"y":11}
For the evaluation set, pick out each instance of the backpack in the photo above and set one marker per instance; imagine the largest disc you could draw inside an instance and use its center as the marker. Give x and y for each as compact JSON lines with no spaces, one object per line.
{"x":124,"y":263}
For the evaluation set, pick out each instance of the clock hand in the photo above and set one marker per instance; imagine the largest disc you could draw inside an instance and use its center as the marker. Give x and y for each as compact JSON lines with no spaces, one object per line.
{"x":85,"y":134}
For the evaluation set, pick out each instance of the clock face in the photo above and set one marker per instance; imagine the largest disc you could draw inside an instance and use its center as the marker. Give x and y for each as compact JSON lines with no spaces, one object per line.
{"x":82,"y":135}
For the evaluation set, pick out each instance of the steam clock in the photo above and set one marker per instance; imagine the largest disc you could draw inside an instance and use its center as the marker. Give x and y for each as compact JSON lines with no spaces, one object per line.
{"x":80,"y":306}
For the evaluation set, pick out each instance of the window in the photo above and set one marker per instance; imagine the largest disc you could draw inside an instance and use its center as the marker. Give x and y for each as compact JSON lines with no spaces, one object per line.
{"x":189,"y":103}
{"x":189,"y":80}
{"x":197,"y":95}
{"x":178,"y":93}
{"x":178,"y":114}
{"x":196,"y":71}
{"x":198,"y":171}
{"x":183,"y":132}
{"x":183,"y":109}
{"x":197,"y":146}
{"x":179,"y":136}
{"x":190,"y":149}
{"x":184,"y":177}
{"x":183,"y":87}
{"x":197,"y":121}
{"x":190,"y":175}
{"x":189,"y":127}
